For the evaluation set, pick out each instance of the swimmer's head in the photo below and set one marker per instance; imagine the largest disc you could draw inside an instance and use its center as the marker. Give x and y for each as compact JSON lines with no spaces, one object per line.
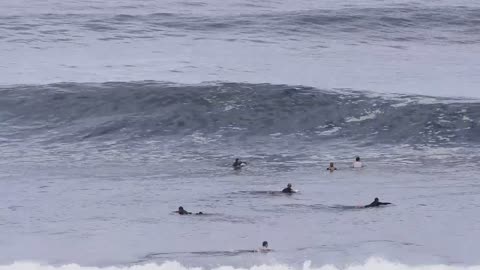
{"x":236,"y":159}
{"x":357,"y":159}
{"x":289,"y":185}
{"x":376,"y":199}
{"x":265,"y":244}
{"x":180,"y":208}
{"x":331,"y":164}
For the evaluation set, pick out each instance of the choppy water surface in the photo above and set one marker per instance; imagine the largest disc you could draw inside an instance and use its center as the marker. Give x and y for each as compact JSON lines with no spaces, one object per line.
{"x":114,"y":113}
{"x":419,"y":47}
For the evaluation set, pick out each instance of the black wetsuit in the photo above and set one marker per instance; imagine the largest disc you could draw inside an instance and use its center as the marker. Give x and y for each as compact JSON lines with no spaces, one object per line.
{"x":238,"y":164}
{"x":288,"y":190}
{"x":183,"y":212}
{"x":376,"y":204}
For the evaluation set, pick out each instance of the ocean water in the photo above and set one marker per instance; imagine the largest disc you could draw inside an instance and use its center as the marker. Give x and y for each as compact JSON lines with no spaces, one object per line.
{"x":115,"y":113}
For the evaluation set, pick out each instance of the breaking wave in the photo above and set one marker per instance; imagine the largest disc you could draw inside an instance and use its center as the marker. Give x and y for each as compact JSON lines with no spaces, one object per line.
{"x":370,"y":264}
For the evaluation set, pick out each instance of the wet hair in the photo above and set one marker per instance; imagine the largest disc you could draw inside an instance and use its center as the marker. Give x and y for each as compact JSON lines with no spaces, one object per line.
{"x":357,"y":159}
{"x":289,"y":185}
{"x":376,"y":199}
{"x":331,"y":164}
{"x":265,"y":244}
{"x":180,"y":208}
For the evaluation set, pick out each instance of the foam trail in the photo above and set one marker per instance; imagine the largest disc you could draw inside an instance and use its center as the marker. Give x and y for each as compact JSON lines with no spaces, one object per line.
{"x":370,"y":264}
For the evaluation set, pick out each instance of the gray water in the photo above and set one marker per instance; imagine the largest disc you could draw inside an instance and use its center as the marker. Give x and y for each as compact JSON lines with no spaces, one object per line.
{"x":420,"y":47}
{"x":115,"y":113}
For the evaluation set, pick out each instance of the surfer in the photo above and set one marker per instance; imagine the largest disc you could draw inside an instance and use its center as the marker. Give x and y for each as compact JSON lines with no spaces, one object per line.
{"x":376,"y":203}
{"x":238,"y":164}
{"x":182,"y":211}
{"x":332,"y":167}
{"x":357,"y":163}
{"x":264,"y":247}
{"x":288,"y":189}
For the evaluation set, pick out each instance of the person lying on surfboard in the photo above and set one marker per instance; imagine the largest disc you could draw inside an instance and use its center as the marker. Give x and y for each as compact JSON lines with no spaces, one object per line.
{"x":264,"y":247}
{"x":182,"y":211}
{"x":376,"y":203}
{"x":288,"y":189}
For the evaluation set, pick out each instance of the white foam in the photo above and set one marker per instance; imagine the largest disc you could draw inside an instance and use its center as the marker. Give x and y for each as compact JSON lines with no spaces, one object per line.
{"x":228,"y":108}
{"x":200,"y":138}
{"x":467,"y":119}
{"x":368,"y":116}
{"x":370,"y":264}
{"x":329,"y":132}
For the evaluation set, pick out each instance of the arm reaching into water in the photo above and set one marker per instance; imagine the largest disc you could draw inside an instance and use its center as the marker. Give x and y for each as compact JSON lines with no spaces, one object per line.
{"x":376,"y":203}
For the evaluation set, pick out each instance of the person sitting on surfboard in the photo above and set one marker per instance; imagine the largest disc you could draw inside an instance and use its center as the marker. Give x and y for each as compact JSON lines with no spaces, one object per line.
{"x":376,"y":203}
{"x":357,"y":163}
{"x":238,"y":164}
{"x":288,"y":189}
{"x":332,"y":167}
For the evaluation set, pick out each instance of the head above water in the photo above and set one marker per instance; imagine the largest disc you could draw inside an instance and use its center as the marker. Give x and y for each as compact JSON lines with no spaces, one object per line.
{"x":357,"y":159}
{"x":265,"y":244}
{"x":289,"y":185}
{"x":376,"y":200}
{"x":237,"y":159}
{"x":180,"y":208}
{"x":331,"y":164}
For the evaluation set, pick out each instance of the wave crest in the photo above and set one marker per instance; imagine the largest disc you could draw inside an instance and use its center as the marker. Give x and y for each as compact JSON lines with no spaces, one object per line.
{"x":138,"y":110}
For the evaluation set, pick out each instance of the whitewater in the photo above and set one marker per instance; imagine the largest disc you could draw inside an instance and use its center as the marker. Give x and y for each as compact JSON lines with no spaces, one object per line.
{"x":373,"y":263}
{"x":115,"y":113}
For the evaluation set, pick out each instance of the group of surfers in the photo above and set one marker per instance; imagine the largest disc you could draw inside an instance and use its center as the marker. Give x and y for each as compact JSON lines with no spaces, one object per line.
{"x":238,"y":164}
